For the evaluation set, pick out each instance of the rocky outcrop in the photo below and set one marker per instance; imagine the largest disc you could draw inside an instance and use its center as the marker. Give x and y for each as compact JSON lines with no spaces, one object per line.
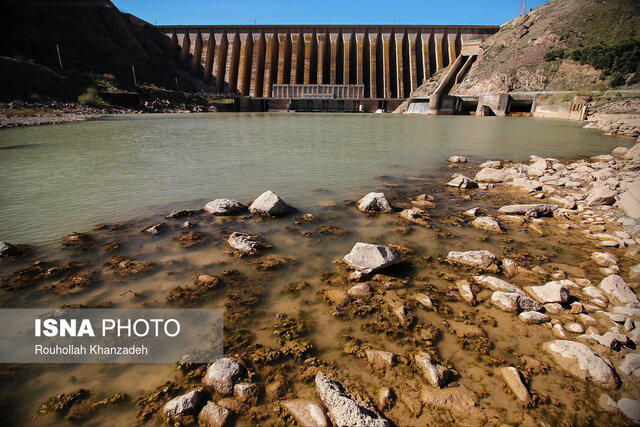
{"x":223,"y":375}
{"x":580,"y":361}
{"x":367,"y":257}
{"x":269,"y":204}
{"x":343,"y":409}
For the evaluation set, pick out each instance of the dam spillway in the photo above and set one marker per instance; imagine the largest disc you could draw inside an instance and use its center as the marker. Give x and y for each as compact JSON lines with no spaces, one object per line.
{"x":388,"y":62}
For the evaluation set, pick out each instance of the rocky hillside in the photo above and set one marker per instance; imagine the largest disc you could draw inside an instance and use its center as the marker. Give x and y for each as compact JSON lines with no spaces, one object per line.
{"x":94,"y":38}
{"x":517,"y":57}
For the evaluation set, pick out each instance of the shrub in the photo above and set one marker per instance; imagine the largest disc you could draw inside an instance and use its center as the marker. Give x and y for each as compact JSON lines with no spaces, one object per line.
{"x":553,"y":54}
{"x":618,"y":80}
{"x":92,"y":98}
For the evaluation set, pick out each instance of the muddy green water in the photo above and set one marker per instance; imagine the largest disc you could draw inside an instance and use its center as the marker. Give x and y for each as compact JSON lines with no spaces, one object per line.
{"x":56,"y":179}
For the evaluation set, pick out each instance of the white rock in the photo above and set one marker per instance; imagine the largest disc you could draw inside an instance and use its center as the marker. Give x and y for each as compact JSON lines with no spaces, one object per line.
{"x":457,"y":159}
{"x":496,"y":164}
{"x":634,"y":272}
{"x":607,"y":403}
{"x":367,"y":257}
{"x":553,"y":307}
{"x":464,"y":287}
{"x":306,"y":413}
{"x":512,"y":378}
{"x":269,"y":204}
{"x":620,"y":151}
{"x":361,"y":290}
{"x":187,"y":404}
{"x":493,"y":175}
{"x":244,"y":243}
{"x":533,"y":317}
{"x":601,"y":195}
{"x":223,"y":374}
{"x":594,"y":292}
{"x":539,"y":209}
{"x":618,"y":290}
{"x":550,"y":292}
{"x":424,"y":300}
{"x":576,"y":328}
{"x":483,"y":259}
{"x":462,"y":181}
{"x":375,"y":202}
{"x":474,"y":212}
{"x":509,"y":267}
{"x":224,"y":206}
{"x":213,"y":415}
{"x":487,"y":223}
{"x":605,"y":259}
{"x":343,"y":409}
{"x":506,"y":301}
{"x":582,"y":362}
{"x":630,"y":407}
{"x":558,"y":331}
{"x":496,"y":284}
{"x":631,"y":364}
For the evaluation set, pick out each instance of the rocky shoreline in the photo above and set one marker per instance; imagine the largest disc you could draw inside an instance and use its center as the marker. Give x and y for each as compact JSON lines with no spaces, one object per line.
{"x":577,"y":323}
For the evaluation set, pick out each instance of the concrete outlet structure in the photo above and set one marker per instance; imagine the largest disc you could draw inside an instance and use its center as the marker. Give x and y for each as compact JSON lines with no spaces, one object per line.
{"x":388,"y":62}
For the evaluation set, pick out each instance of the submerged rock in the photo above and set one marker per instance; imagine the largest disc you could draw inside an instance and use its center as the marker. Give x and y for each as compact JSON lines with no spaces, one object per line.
{"x":437,"y":374}
{"x":155,"y":228}
{"x":582,"y":362}
{"x":362,"y":290}
{"x":345,"y":411}
{"x":269,"y":204}
{"x":375,"y":202}
{"x":458,"y":399}
{"x":187,"y":404}
{"x":306,"y":413}
{"x":513,"y":380}
{"x":457,"y":159}
{"x":244,"y":243}
{"x":223,"y":375}
{"x":182,"y":214}
{"x":379,"y":358}
{"x":483,"y":259}
{"x":464,"y":287}
{"x":213,"y":415}
{"x":367,"y":257}
{"x":462,"y":181}
{"x":535,"y":210}
{"x":487,"y":223}
{"x":224,"y":206}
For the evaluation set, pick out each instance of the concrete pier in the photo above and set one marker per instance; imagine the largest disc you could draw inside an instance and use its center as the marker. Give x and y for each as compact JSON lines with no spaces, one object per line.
{"x":389,"y":61}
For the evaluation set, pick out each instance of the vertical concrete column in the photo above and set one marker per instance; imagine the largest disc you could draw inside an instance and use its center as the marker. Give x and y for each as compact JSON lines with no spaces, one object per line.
{"x":197,"y":52}
{"x":210,"y":54}
{"x":360,"y":57}
{"x":399,"y":62}
{"x":333,"y":38}
{"x":452,"y":38}
{"x":438,"y":44}
{"x":427,"y":53}
{"x":257,"y":65}
{"x":233,"y":56}
{"x":270,"y":63}
{"x":294,"y":57}
{"x":373,"y":61}
{"x":307,"y":57}
{"x":284,"y":58}
{"x":244,"y":63}
{"x":346,"y":52}
{"x":220,"y":64}
{"x":322,"y":40}
{"x":175,"y":46}
{"x":386,"y":69}
{"x":414,"y":45}
{"x":186,"y":46}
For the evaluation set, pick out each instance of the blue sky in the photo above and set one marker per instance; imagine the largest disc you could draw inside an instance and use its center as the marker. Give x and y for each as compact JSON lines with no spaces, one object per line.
{"x":242,"y":12}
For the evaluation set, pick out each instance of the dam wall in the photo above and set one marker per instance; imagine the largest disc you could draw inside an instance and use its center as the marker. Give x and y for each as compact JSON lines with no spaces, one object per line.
{"x":389,"y":62}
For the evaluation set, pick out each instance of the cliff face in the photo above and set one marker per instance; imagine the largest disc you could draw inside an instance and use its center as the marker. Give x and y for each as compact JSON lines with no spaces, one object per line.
{"x":514,"y":58}
{"x":93,"y":36}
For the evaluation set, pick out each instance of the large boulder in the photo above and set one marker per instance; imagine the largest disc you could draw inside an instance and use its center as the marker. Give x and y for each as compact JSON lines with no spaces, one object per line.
{"x":615,"y":288}
{"x":306,"y":413}
{"x":580,"y":361}
{"x":535,"y":209}
{"x":223,"y":375}
{"x":187,"y":404}
{"x":601,"y":195}
{"x":437,"y":374}
{"x":493,"y":175}
{"x":344,"y":410}
{"x":269,"y":204}
{"x":374,"y":202}
{"x":224,"y":206}
{"x":483,"y":259}
{"x":367,"y":257}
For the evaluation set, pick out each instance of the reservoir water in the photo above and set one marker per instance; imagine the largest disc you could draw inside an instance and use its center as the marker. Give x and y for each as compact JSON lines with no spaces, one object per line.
{"x":68,"y":177}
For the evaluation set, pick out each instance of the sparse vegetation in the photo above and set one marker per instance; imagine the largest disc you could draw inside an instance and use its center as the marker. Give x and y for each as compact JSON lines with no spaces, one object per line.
{"x":92,"y":98}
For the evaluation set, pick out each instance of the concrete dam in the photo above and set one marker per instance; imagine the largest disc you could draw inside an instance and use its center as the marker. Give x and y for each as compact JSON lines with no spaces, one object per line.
{"x":331,"y":67}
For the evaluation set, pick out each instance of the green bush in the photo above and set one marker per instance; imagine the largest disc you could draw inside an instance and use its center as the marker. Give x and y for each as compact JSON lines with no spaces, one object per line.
{"x":617,"y":61}
{"x":554,"y":54}
{"x":617,"y":80}
{"x":92,"y":98}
